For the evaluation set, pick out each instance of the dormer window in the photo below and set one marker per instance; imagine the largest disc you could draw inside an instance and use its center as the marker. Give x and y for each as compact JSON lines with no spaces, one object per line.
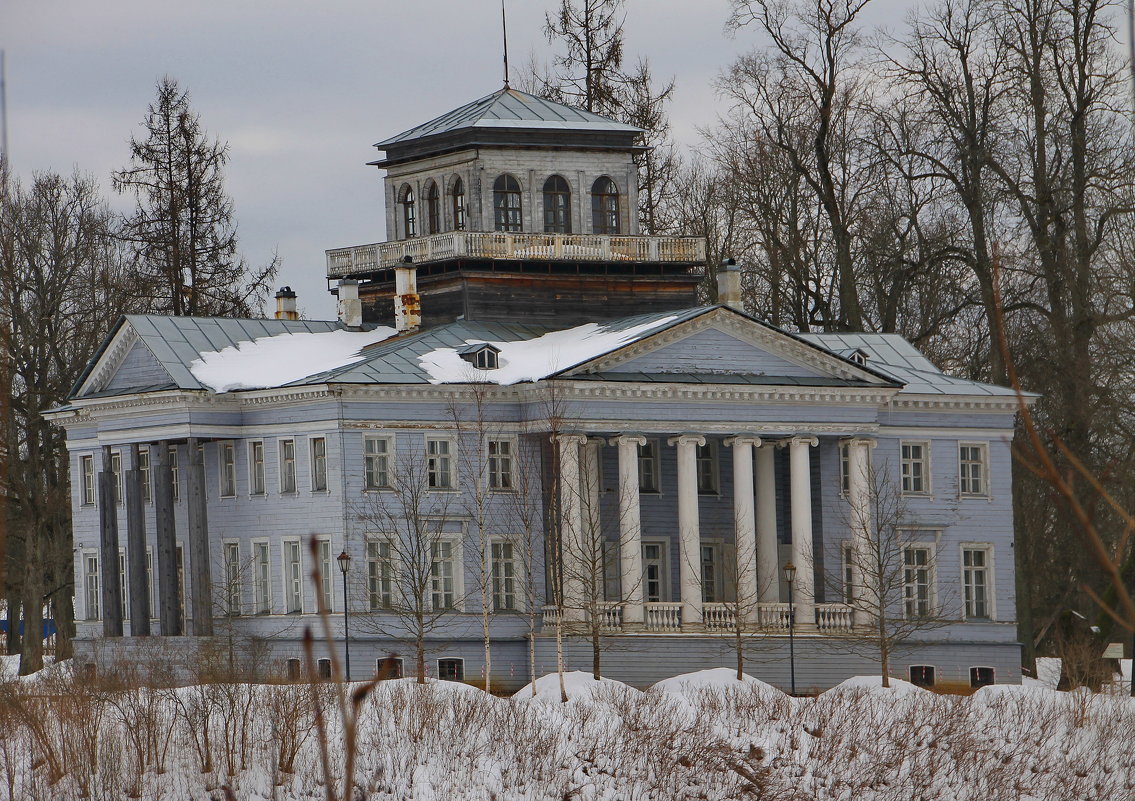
{"x":859,"y":357}
{"x":481,"y":355}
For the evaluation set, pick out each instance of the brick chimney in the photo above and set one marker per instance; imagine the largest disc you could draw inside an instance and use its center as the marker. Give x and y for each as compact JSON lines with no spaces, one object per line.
{"x":350,"y":307}
{"x":286,"y":304}
{"x":407,"y":303}
{"x":729,"y":285}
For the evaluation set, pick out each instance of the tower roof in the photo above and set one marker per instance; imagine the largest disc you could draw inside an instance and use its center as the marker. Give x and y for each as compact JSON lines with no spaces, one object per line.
{"x":508,"y":117}
{"x":510,"y":108}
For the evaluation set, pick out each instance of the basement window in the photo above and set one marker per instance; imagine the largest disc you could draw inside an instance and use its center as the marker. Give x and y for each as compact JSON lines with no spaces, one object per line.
{"x":481,"y":355}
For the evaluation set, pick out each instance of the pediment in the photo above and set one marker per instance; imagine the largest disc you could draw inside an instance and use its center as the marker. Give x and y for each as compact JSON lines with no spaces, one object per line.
{"x":125,"y":363}
{"x":727,"y":343}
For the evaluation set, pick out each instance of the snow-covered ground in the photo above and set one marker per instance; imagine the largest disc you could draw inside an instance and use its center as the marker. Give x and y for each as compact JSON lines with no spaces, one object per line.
{"x":703,"y":735}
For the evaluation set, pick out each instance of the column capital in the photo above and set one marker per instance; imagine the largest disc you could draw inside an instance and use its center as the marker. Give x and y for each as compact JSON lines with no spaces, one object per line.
{"x":629,"y":439}
{"x":803,"y":440}
{"x":859,"y":441}
{"x":743,"y":439}
{"x":569,"y":439}
{"x":687,"y":439}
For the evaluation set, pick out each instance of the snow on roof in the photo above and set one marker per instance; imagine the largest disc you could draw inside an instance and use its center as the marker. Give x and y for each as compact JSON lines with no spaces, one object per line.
{"x":273,"y":361}
{"x":534,"y":359}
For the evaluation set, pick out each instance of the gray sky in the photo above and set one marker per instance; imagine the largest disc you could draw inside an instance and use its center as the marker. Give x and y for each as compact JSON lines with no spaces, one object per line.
{"x":301,"y":90}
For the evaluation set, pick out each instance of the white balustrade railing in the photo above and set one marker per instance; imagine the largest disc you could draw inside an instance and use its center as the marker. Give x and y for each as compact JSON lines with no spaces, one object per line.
{"x":833,"y":617}
{"x":343,"y":262}
{"x":718,"y":617}
{"x":611,"y":616}
{"x":662,"y":617}
{"x":773,"y":616}
{"x":551,"y":615}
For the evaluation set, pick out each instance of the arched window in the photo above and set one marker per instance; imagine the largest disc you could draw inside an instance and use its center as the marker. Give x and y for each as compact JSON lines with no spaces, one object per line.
{"x":433,"y":209}
{"x":506,"y":204}
{"x":458,"y":195}
{"x":604,"y":207}
{"x":409,"y":218}
{"x":557,"y":206}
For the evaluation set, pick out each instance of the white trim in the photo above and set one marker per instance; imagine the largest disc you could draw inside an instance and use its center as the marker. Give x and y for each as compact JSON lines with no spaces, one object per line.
{"x":927,"y":469}
{"x":227,"y":590}
{"x":931,"y":547}
{"x":280,"y":461}
{"x":255,"y":565}
{"x":327,"y":572}
{"x":460,"y":659}
{"x":518,"y":599}
{"x":221,"y":468}
{"x":454,"y":464}
{"x":311,"y":461}
{"x":514,"y":447}
{"x":990,"y":580}
{"x":665,"y":594}
{"x":285,"y":544}
{"x":987,"y":484}
{"x":251,"y":447}
{"x":391,"y":444}
{"x":457,"y":556}
{"x":379,"y":538}
{"x":111,"y":359}
{"x":84,"y":554}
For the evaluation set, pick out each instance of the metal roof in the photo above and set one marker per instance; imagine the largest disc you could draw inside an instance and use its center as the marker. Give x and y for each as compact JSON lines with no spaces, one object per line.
{"x":510,"y":108}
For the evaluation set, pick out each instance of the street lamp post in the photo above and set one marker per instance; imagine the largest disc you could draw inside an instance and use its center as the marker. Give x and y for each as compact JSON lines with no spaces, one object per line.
{"x":790,"y":578}
{"x":344,"y":560}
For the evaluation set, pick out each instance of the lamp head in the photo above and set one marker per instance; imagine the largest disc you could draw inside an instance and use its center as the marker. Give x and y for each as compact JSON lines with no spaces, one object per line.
{"x":344,"y":560}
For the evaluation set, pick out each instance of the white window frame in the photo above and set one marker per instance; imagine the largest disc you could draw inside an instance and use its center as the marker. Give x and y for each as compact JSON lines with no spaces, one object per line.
{"x":459,"y":659}
{"x":379,"y":665}
{"x":261,"y":576}
{"x":432,"y":483}
{"x":847,"y":572}
{"x":378,"y":564}
{"x":232,"y":575}
{"x":664,"y":595}
{"x":123,"y":587}
{"x":327,"y":569}
{"x":150,"y":582}
{"x":92,"y":585}
{"x":493,"y":464}
{"x":931,"y":576}
{"x":457,"y":573}
{"x":983,"y":450}
{"x":655,"y":462}
{"x":703,"y":455}
{"x":990,"y":580}
{"x":116,"y":472}
{"x":845,"y":468}
{"x":925,"y":461}
{"x":287,"y":466}
{"x":257,"y":479}
{"x":318,"y":465}
{"x":182,"y":595}
{"x":496,"y":590}
{"x":385,"y":459}
{"x":292,"y":574}
{"x":87,"y":480}
{"x":226,"y":469}
{"x":174,"y":475}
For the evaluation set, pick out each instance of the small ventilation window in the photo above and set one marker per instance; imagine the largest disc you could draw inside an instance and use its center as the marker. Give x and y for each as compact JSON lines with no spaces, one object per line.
{"x":481,"y":355}
{"x":859,"y":357}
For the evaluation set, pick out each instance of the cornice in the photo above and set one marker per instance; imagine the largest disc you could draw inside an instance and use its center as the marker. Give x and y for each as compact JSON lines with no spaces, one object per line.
{"x":111,"y":359}
{"x":746,"y":393}
{"x":998,"y":403}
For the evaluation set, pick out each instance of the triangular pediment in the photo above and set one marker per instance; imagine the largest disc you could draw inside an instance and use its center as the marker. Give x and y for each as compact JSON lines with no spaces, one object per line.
{"x":726,"y":343}
{"x":125,"y":363}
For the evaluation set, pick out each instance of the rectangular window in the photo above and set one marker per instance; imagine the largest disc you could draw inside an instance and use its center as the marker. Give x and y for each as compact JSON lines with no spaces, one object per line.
{"x":256,"y":468}
{"x":500,"y":464}
{"x":293,"y":576}
{"x":262,"y":573}
{"x":377,"y":452}
{"x":91,"y":584}
{"x":380,"y":575}
{"x":972,"y":470}
{"x":173,"y":473}
{"x":439,"y":463}
{"x":653,"y":572}
{"x":706,"y":462}
{"x":975,"y":582}
{"x":87,"y":474}
{"x":326,"y":580}
{"x":709,"y":583}
{"x":844,"y":468}
{"x":150,"y":582}
{"x":181,"y":583}
{"x":116,"y":471}
{"x":915,"y":468}
{"x":980,"y":677}
{"x":227,"y":455}
{"x":504,"y":577}
{"x":293,"y":669}
{"x":122,"y":586}
{"x":848,"y":555}
{"x":287,"y":465}
{"x":232,"y":578}
{"x":451,"y":669}
{"x":144,"y":469}
{"x":318,"y":464}
{"x":648,"y":466}
{"x":442,"y":589}
{"x":916,"y":581}
{"x":388,"y":667}
{"x":922,"y":676}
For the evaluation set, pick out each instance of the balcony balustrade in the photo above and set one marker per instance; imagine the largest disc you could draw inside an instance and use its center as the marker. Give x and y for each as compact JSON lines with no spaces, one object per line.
{"x":363,"y":259}
{"x":716,"y":617}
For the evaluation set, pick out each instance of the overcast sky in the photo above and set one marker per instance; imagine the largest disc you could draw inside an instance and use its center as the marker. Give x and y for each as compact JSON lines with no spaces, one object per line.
{"x":301,"y":90}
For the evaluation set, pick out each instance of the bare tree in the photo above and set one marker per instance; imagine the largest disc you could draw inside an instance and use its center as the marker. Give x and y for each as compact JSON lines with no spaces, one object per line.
{"x":409,"y":523}
{"x":182,"y":230}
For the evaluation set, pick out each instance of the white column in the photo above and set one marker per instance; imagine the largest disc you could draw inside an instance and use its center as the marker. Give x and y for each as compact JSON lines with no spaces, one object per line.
{"x":745,"y":526}
{"x":689,"y":531}
{"x":859,"y":500}
{"x":573,"y":594}
{"x":800,"y":475}
{"x":768,"y":547}
{"x":630,"y":527}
